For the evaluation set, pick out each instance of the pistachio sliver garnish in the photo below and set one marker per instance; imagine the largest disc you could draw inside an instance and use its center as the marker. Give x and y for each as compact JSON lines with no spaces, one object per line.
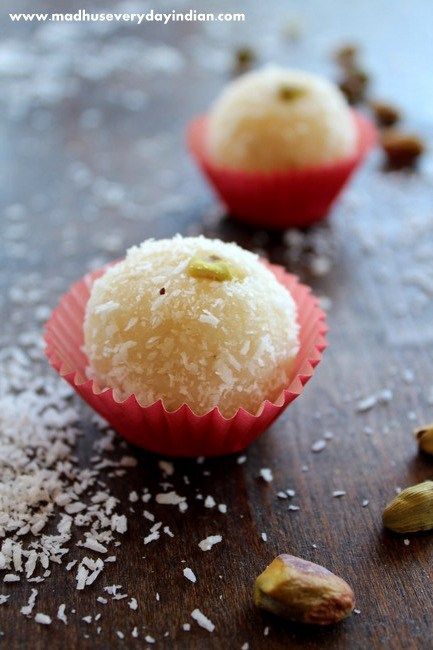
{"x":213,"y":267}
{"x":288,"y":93}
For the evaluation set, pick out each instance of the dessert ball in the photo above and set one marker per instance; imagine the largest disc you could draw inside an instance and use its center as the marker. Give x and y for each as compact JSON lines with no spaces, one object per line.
{"x":277,"y":119}
{"x":191,"y":320}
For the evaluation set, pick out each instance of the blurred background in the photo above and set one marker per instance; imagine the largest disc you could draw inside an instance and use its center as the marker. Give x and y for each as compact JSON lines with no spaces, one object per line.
{"x":94,"y":113}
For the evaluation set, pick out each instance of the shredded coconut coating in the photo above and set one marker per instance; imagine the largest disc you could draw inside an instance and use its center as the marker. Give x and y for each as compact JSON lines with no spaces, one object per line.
{"x":252,"y":127}
{"x":190,"y":340}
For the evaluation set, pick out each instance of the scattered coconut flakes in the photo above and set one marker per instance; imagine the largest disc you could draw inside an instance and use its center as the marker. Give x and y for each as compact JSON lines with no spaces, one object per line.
{"x":356,"y":611}
{"x":366,"y":404}
{"x":406,"y":542}
{"x":154,"y":533}
{"x":27,"y":609}
{"x":293,"y":507}
{"x":319,"y":445}
{"x":94,"y":545}
{"x":338,"y":493}
{"x":61,"y":614}
{"x":43,"y":619}
{"x":167,"y":531}
{"x":88,"y":571}
{"x":119,"y":523}
{"x":169,"y":498}
{"x":186,"y":627}
{"x":133,"y":604}
{"x":133,"y":496}
{"x":134,"y":632}
{"x":149,"y":639}
{"x":42,"y":481}
{"x":120,"y":634}
{"x":207,"y":543}
{"x":266,"y":631}
{"x":98,"y":567}
{"x":73,"y":508}
{"x":166,"y":467}
{"x":202,"y":620}
{"x":148,"y":515}
{"x":222,"y":508}
{"x":152,"y":537}
{"x":189,"y":574}
{"x":282,"y":495}
{"x":11,"y":577}
{"x":264,"y":537}
{"x":241,"y":460}
{"x":209,"y":502}
{"x":365,"y":503}
{"x":245,"y":646}
{"x":128,"y":461}
{"x":81,"y":577}
{"x":290,"y":492}
{"x":266,"y":474}
{"x":385,"y":396}
{"x":87,"y":619}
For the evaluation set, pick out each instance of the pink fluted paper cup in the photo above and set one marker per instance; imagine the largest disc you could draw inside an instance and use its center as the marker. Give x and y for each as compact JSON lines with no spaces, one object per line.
{"x":180,"y":432}
{"x":283,"y":199}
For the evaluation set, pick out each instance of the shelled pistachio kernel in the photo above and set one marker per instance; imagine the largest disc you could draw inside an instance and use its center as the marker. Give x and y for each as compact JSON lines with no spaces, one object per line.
{"x":244,"y":57}
{"x":303,"y":591}
{"x":412,"y":510}
{"x":424,"y":436}
{"x":213,"y":267}
{"x":385,"y":113}
{"x":288,"y":93}
{"x":401,"y":149}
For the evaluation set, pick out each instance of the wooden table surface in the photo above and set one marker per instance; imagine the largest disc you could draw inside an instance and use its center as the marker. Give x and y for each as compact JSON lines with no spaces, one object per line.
{"x":93,"y":160}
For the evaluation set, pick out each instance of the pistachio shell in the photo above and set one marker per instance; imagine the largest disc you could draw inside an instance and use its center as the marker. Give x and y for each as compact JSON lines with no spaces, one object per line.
{"x":424,"y":436}
{"x":303,"y":592}
{"x":411,"y":510}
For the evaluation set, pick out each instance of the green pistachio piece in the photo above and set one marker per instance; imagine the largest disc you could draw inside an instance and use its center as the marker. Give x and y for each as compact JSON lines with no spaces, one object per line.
{"x":288,"y":93}
{"x":213,"y":267}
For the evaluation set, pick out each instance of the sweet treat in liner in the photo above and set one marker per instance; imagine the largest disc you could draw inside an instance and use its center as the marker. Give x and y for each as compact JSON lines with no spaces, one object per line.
{"x":187,"y":347}
{"x":278,"y":146}
{"x":277,"y":119}
{"x":191,"y":320}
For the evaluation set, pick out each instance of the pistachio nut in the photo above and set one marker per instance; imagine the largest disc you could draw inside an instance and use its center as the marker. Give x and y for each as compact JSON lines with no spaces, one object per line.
{"x":424,"y":436}
{"x":213,"y":267}
{"x":303,"y":592}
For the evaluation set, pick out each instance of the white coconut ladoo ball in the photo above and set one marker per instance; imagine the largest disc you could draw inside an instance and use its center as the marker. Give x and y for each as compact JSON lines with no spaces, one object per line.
{"x":277,"y":119}
{"x":191,"y":320}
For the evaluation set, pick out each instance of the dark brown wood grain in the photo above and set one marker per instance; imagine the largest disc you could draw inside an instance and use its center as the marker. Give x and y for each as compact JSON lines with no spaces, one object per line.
{"x":380,"y":328}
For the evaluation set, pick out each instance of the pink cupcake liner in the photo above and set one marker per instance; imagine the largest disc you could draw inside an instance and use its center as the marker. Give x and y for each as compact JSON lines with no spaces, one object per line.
{"x":283,"y":199}
{"x":180,"y":432}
